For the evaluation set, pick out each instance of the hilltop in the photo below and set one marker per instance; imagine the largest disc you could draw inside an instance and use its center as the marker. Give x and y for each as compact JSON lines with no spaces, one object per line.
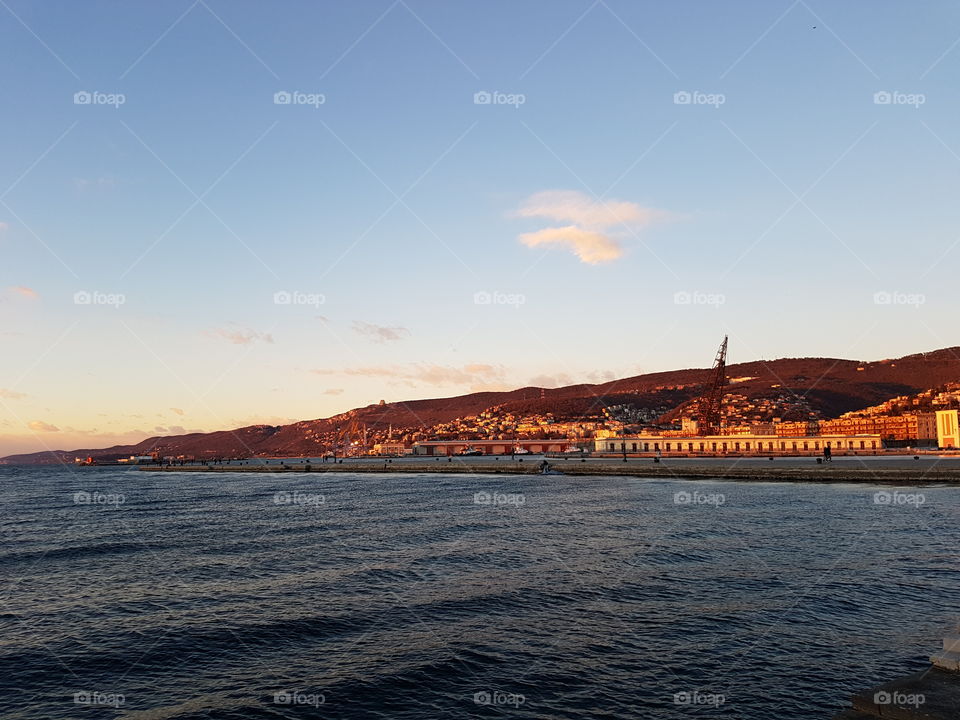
{"x":791,"y":388}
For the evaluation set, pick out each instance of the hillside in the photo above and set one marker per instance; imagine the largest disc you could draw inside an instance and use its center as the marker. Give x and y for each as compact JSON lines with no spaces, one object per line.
{"x":823,"y":387}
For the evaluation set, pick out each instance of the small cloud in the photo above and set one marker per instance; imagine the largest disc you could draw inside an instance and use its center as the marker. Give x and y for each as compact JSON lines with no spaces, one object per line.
{"x":380,"y":333}
{"x":177,"y":429}
{"x":476,"y":376}
{"x":588,"y":235}
{"x":178,"y":411}
{"x":333,"y":391}
{"x":239,"y":336}
{"x":591,"y":247}
{"x":11,"y":395}
{"x":24,"y":291}
{"x":40,"y":426}
{"x":580,"y":209}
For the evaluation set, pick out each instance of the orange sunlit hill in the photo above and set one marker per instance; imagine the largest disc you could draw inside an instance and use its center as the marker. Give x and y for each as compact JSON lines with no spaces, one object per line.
{"x":779,"y":406}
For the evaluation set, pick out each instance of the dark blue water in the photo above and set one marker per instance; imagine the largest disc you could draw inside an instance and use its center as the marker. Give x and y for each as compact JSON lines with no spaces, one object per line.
{"x":195,"y":596}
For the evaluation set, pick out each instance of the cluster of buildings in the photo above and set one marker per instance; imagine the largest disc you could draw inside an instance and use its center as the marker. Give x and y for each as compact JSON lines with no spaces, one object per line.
{"x":843,"y":436}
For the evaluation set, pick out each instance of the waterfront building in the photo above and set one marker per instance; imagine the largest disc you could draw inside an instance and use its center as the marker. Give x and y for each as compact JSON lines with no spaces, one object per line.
{"x":708,"y":445}
{"x":948,"y":429}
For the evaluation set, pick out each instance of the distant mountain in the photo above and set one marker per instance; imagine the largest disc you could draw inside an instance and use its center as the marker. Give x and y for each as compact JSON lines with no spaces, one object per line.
{"x":826,"y":386}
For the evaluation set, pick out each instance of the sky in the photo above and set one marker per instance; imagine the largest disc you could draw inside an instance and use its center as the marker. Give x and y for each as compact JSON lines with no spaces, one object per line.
{"x":216,"y":214}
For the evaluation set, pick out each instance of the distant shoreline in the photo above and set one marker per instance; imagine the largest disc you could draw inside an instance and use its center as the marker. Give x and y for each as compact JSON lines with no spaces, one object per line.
{"x":930,"y":471}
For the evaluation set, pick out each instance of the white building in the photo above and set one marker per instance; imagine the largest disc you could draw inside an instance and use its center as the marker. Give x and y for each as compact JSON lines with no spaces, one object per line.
{"x":948,"y":434}
{"x":738,"y":444}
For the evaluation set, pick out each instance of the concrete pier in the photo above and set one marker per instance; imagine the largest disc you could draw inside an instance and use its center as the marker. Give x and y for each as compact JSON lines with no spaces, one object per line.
{"x":870,"y":470}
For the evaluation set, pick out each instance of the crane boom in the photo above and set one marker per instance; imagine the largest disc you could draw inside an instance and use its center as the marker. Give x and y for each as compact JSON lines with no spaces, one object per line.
{"x":709,"y":403}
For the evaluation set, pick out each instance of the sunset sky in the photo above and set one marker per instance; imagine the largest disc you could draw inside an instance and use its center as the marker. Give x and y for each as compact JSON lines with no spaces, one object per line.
{"x":457,"y":196}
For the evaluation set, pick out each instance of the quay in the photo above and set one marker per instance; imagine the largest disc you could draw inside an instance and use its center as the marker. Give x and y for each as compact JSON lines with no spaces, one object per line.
{"x":900,"y":469}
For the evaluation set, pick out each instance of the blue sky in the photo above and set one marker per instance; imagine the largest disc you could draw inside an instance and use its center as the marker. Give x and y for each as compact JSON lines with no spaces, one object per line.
{"x":614,"y":228}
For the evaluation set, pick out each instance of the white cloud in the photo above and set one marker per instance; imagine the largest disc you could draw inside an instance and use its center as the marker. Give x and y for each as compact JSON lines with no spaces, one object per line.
{"x":588,"y":237}
{"x":178,"y":411}
{"x":580,"y":209}
{"x":24,"y":291}
{"x":476,"y":376}
{"x":380,"y":333}
{"x":11,"y":395}
{"x":591,"y":247}
{"x":239,"y":336}
{"x":40,"y":426}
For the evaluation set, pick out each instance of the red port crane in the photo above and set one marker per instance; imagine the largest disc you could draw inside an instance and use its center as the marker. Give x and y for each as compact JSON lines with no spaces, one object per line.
{"x":708,"y":404}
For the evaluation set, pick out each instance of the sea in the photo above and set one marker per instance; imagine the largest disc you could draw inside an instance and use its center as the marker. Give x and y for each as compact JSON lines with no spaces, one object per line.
{"x":196,"y":596}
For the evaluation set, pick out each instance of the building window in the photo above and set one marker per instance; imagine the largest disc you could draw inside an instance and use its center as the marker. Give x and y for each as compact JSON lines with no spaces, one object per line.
{"x":646,"y":447}
{"x":690,"y":447}
{"x":634,"y":447}
{"x":863,"y":444}
{"x":668,"y":447}
{"x":656,"y":446}
{"x":702,"y":446}
{"x":612,"y":447}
